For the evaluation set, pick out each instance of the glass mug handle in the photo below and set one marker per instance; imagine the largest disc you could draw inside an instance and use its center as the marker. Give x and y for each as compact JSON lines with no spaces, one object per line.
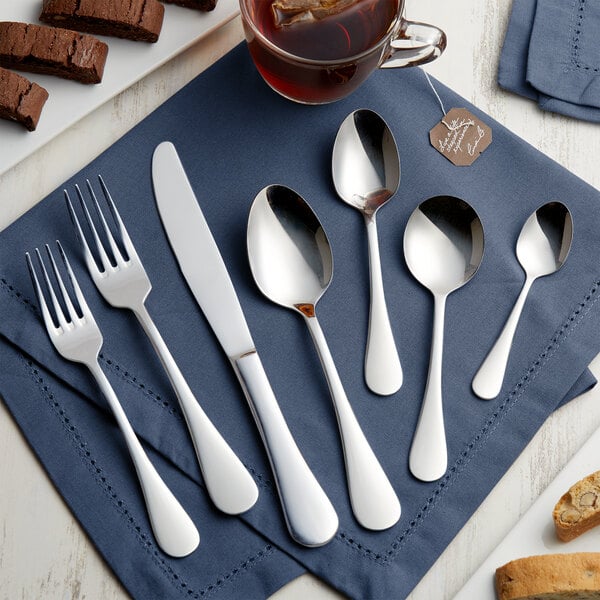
{"x":414,"y":44}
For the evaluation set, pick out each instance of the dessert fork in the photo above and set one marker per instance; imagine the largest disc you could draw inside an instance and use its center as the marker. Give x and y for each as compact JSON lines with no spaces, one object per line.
{"x":76,"y":336}
{"x":123,"y":282}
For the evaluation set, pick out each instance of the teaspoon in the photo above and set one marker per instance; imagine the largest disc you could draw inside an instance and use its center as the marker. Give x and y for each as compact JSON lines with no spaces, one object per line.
{"x":291,"y":261}
{"x":366,"y":174}
{"x":443,"y":247}
{"x":542,"y":248}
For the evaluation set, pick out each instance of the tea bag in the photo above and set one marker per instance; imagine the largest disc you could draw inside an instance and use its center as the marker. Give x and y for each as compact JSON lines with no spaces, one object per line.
{"x":288,"y":12}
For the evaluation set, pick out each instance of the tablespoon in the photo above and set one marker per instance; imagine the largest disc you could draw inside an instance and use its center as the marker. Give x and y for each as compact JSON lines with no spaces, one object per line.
{"x":290,"y":258}
{"x":443,"y":248}
{"x":366,"y":174}
{"x":542,"y":248}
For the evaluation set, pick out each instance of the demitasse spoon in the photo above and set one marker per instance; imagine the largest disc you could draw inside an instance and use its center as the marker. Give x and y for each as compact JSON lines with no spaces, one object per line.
{"x":542,"y":248}
{"x":366,"y":174}
{"x":443,"y":247}
{"x":290,"y":258}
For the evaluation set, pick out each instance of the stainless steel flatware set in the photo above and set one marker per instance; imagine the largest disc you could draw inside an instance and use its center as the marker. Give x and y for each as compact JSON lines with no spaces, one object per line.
{"x":291,"y":260}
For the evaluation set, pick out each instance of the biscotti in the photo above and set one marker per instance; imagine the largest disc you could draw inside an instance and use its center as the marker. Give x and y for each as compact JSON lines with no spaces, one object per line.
{"x":52,"y":51}
{"x":20,"y":99}
{"x":574,"y":576}
{"x":579,"y":509}
{"x":139,"y":20}
{"x":203,"y":5}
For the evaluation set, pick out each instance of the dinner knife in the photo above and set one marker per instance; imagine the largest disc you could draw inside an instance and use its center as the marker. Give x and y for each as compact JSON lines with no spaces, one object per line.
{"x":308,"y":512}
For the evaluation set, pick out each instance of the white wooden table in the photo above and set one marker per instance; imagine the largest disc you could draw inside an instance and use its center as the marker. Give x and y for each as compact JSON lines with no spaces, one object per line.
{"x":43,"y":552}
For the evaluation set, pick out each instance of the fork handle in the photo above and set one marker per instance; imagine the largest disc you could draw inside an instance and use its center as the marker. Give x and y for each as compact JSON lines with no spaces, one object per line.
{"x":173,"y":529}
{"x":229,"y":484}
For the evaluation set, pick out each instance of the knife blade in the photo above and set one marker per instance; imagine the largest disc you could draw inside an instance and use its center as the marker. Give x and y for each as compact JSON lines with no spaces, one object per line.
{"x":309,"y":515}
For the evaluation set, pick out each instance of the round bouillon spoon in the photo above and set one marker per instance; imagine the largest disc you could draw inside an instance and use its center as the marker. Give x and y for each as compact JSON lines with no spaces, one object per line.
{"x":292,"y":264}
{"x":366,"y":174}
{"x":542,"y":248}
{"x":443,"y":247}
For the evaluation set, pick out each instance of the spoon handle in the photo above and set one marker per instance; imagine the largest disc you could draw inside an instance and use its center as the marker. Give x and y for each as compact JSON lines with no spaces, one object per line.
{"x":487,"y":383}
{"x":383,"y":372}
{"x":309,"y":515}
{"x":428,"y":457}
{"x":374,"y":501}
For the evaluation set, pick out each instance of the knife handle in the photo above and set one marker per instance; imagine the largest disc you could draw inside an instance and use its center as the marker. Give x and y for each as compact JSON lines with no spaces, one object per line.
{"x":309,"y":515}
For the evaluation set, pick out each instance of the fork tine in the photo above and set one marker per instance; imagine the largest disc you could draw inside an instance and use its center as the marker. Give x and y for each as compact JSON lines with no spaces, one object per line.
{"x":58,"y":311}
{"x":119,"y":258}
{"x":104,"y":259}
{"x":127,"y":243}
{"x":90,"y":261}
{"x":47,"y":316}
{"x":83,"y":305}
{"x":66,"y":296}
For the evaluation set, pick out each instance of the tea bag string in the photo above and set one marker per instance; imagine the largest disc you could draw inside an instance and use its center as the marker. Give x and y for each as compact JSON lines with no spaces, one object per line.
{"x":434,"y":91}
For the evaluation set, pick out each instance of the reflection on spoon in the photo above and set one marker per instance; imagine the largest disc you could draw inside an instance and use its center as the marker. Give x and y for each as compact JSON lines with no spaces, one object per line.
{"x":292,"y":264}
{"x":443,"y":248}
{"x":366,"y":174}
{"x":542,"y":248}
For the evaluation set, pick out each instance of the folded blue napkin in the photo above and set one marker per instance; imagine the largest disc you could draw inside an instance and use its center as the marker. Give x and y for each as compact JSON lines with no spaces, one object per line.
{"x":551,"y":55}
{"x":235,"y":136}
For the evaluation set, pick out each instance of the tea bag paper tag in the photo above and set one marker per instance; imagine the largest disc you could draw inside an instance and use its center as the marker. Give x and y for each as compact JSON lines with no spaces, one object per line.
{"x":461,"y":137}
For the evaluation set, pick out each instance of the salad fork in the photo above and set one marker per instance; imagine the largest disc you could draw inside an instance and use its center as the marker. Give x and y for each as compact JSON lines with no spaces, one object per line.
{"x":76,"y":336}
{"x":121,"y":278}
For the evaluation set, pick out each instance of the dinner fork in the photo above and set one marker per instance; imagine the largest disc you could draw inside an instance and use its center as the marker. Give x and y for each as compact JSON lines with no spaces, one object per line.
{"x":76,"y":336}
{"x":122,"y":280}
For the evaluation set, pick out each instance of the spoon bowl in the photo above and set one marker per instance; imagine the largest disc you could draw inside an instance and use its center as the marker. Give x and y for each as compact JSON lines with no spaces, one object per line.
{"x":545,"y":240}
{"x":292,"y":264}
{"x":443,"y":244}
{"x":365,"y":163}
{"x":366,"y":175}
{"x":542,"y":249}
{"x":443,"y":248}
{"x":289,"y":252}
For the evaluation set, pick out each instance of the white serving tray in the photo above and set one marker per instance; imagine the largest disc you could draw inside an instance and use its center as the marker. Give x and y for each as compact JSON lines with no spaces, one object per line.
{"x":127,"y":62}
{"x":534,"y":533}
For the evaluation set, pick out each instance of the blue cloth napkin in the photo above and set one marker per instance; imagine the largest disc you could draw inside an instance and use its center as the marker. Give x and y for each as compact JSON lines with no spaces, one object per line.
{"x":551,"y":55}
{"x":235,"y":136}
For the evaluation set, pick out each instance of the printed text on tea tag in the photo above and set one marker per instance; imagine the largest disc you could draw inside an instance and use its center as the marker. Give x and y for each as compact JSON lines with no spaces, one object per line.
{"x":461,"y":137}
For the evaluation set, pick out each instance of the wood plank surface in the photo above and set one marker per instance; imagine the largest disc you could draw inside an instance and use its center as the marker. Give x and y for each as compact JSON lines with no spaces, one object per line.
{"x":44,"y":554}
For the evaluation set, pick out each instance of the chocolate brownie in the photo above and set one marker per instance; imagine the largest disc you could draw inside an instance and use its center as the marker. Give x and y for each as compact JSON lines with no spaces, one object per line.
{"x":138,"y":20}
{"x":204,"y":5}
{"x":20,"y":99}
{"x":52,"y":51}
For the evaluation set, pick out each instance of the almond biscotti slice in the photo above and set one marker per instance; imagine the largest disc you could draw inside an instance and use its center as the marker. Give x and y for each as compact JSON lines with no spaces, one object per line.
{"x":579,"y":509}
{"x":138,"y":20}
{"x":20,"y":99}
{"x":52,"y":51}
{"x":574,"y":576}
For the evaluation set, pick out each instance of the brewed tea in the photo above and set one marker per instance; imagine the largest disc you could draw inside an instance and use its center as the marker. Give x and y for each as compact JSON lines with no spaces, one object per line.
{"x":346,"y":32}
